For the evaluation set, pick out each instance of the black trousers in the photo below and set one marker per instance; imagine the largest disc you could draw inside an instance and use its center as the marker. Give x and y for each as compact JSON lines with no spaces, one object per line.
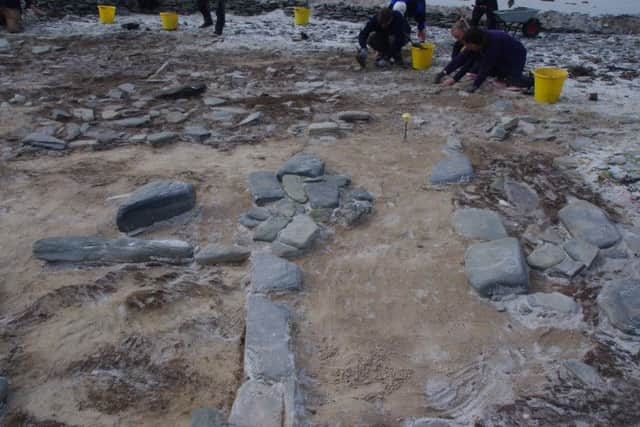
{"x":203,"y":7}
{"x":383,"y":43}
{"x":482,"y":7}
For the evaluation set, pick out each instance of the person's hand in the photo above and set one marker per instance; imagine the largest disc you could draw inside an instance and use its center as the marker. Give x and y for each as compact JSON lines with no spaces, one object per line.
{"x":438,"y":77}
{"x":448,"y":82}
{"x":361,"y":57}
{"x":382,"y":63}
{"x":422,"y":35}
{"x":471,"y":88}
{"x":510,"y":3}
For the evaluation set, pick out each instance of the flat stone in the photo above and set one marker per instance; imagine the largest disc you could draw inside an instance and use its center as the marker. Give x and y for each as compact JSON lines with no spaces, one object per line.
{"x":509,"y":123}
{"x":620,"y":301}
{"x":302,"y":164}
{"x":523,"y":197}
{"x":554,"y":301}
{"x":321,"y":214}
{"x":340,"y":181}
{"x":250,"y":119}
{"x":71,"y":131}
{"x":175,"y":117}
{"x":111,"y":114}
{"x":45,"y":141}
{"x":221,"y":254}
{"x":58,"y":114}
{"x":481,"y":224}
{"x":285,"y":207}
{"x":581,"y":251}
{"x":206,"y":417}
{"x":361,"y":195}
{"x":265,"y":187}
{"x":266,"y":351}
{"x":153,"y":202}
{"x":350,"y":213}
{"x":632,"y":239}
{"x":499,"y":133}
{"x":580,"y":143}
{"x":294,"y":188}
{"x":268,"y":230}
{"x":322,"y":194}
{"x":453,"y":143}
{"x":568,"y":268}
{"x":184,"y":91}
{"x":260,"y":214}
{"x":40,"y":50}
{"x":497,"y":268}
{"x":300,"y":232}
{"x":98,"y":249}
{"x":588,"y":222}
{"x":272,"y":274}
{"x":281,"y":250}
{"x":550,"y":235}
{"x":258,"y":404}
{"x":132,"y":122}
{"x":83,"y":143}
{"x":354,"y":116}
{"x":214,"y":102}
{"x":84,"y":114}
{"x":115,"y":94}
{"x":161,"y":138}
{"x":4,"y":389}
{"x":127,"y":88}
{"x":323,"y":129}
{"x":248,"y":222}
{"x":546,"y":256}
{"x":198,"y":133}
{"x":454,"y":169}
{"x":4,"y":45}
{"x":584,"y":373}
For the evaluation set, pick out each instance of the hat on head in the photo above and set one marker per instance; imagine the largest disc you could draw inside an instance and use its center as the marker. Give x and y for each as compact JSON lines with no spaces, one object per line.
{"x":400,"y":6}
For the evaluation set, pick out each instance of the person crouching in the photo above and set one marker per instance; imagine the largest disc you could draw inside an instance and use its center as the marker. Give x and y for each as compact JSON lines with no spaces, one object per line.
{"x":386,"y":32}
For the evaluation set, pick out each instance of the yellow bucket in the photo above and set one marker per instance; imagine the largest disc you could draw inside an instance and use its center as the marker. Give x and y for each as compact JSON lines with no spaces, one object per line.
{"x":548,"y":84}
{"x":169,"y":20}
{"x":301,"y":15}
{"x":106,"y":14}
{"x":421,"y":56}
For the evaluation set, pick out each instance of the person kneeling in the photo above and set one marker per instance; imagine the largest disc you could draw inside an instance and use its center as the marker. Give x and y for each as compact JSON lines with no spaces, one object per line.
{"x":386,"y":32}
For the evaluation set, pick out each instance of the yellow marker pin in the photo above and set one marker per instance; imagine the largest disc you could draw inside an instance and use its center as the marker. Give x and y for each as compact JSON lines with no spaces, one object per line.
{"x":406,"y":117}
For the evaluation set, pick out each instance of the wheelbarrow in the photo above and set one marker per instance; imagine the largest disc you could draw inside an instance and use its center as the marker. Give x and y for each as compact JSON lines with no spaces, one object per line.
{"x":519,"y":18}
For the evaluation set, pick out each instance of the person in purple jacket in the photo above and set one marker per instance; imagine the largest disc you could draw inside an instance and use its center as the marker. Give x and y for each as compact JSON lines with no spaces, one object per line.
{"x":500,"y":55}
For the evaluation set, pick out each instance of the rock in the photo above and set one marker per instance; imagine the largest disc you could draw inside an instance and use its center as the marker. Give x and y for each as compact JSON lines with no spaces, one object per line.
{"x":499,"y":133}
{"x":588,"y":222}
{"x":279,"y":249}
{"x":354,"y":116}
{"x":18,"y":99}
{"x":618,"y":251}
{"x":568,"y":268}
{"x":453,"y":143}
{"x":153,"y":202}
{"x":285,"y":207}
{"x":550,"y":235}
{"x":250,"y":119}
{"x":115,"y":94}
{"x":632,"y":239}
{"x":580,"y":143}
{"x":4,"y":45}
{"x":221,"y":254}
{"x":127,"y":88}
{"x":197,"y":133}
{"x":302,"y":164}
{"x":497,"y":268}
{"x":509,"y":123}
{"x":101,"y":250}
{"x":322,"y":194}
{"x":71,"y":131}
{"x":294,"y":188}
{"x":83,"y":143}
{"x":554,"y":301}
{"x":84,"y":114}
{"x":132,"y":122}
{"x":258,"y":404}
{"x":214,"y":102}
{"x":479,"y":224}
{"x":45,"y":141}
{"x":266,"y":351}
{"x":351,"y":213}
{"x":206,"y":417}
{"x":339,"y":181}
{"x":300,"y":232}
{"x":546,"y":256}
{"x":523,"y":197}
{"x":265,"y":187}
{"x":322,"y":214}
{"x":581,"y":251}
{"x":105,"y":137}
{"x":175,"y":117}
{"x":224,"y":114}
{"x":111,"y":114}
{"x":4,"y":388}
{"x":185,"y":91}
{"x":584,"y":373}
{"x":323,"y":129}
{"x":247,"y":221}
{"x":272,"y":274}
{"x":260,"y":214}
{"x":455,"y":169}
{"x":527,"y":128}
{"x":620,"y":301}
{"x":268,"y":230}
{"x":60,"y":115}
{"x":361,"y":195}
{"x":40,"y":50}
{"x":161,"y":138}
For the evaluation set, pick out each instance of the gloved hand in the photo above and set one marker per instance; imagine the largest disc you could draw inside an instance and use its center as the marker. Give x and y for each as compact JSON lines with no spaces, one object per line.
{"x":422,"y":35}
{"x":438,"y":78}
{"x":361,"y":57}
{"x":471,"y":88}
{"x":510,"y":3}
{"x":449,"y":82}
{"x":382,"y":63}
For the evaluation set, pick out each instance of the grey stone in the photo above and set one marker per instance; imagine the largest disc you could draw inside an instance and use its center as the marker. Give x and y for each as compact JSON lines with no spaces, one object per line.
{"x":132,"y":122}
{"x":479,"y":224}
{"x":127,"y":88}
{"x":214,"y":102}
{"x":430,"y":422}
{"x":349,"y":214}
{"x":18,"y":99}
{"x":161,"y":138}
{"x":71,"y":131}
{"x":354,"y":116}
{"x":83,"y":143}
{"x":4,"y":389}
{"x":497,"y":268}
{"x":300,"y":232}
{"x":568,"y":268}
{"x":499,"y":133}
{"x":588,"y":222}
{"x":258,"y":405}
{"x":4,"y":45}
{"x":84,"y":114}
{"x":284,"y":251}
{"x":339,"y":181}
{"x":294,"y":188}
{"x":581,"y":251}
{"x":175,"y":117}
{"x":111,"y":114}
{"x":618,"y":251}
{"x":553,"y":301}
{"x":40,"y":50}
{"x":550,"y":235}
{"x":115,"y":94}
{"x":248,"y":222}
{"x":105,"y":137}
{"x":184,"y":91}
{"x":453,"y":143}
{"x":584,"y":373}
{"x":302,"y":164}
{"x":266,"y":351}
{"x":322,"y":194}
{"x":265,"y":187}
{"x":322,"y":214}
{"x":250,"y":119}
{"x":509,"y":123}
{"x":523,"y":197}
{"x":454,"y":169}
{"x":546,"y":256}
{"x":153,"y":202}
{"x":272,"y":274}
{"x":98,"y":249}
{"x":259,"y":214}
{"x":45,"y":141}
{"x":58,"y":114}
{"x":268,"y":230}
{"x":620,"y":301}
{"x":632,"y":239}
{"x":206,"y":417}
{"x":220,"y":254}
{"x":580,"y":143}
{"x":198,"y":133}
{"x":285,"y":207}
{"x":361,"y":195}
{"x":323,"y":129}
{"x":224,"y":114}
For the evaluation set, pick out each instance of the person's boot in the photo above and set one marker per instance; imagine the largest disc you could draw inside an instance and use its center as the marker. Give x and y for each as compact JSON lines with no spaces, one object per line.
{"x":206,"y":24}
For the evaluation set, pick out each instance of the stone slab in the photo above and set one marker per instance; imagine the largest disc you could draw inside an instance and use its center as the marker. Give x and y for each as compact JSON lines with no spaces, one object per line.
{"x":302,"y":164}
{"x":322,"y":194}
{"x":567,"y":269}
{"x":581,"y":251}
{"x":221,"y":254}
{"x":207,"y":417}
{"x":45,"y":141}
{"x":293,"y":186}
{"x":268,"y":230}
{"x":258,"y":405}
{"x":300,"y":232}
{"x":588,"y":222}
{"x":619,"y":300}
{"x":546,"y":256}
{"x":354,"y":116}
{"x":481,"y":224}
{"x":553,"y":301}
{"x":265,"y":187}
{"x":270,"y":273}
{"x":454,"y":169}
{"x":584,"y":373}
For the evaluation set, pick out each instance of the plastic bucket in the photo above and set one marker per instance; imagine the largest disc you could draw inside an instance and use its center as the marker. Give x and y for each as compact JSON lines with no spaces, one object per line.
{"x":106,"y":14}
{"x":301,"y":15}
{"x":169,"y":20}
{"x":422,"y":55}
{"x":548,"y":84}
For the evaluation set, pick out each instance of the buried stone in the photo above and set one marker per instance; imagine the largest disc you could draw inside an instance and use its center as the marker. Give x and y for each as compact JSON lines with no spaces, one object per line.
{"x":322,"y":194}
{"x":620,"y":302}
{"x":185,"y":91}
{"x":454,"y":169}
{"x":588,"y":222}
{"x":153,"y":202}
{"x":268,"y":230}
{"x":554,"y":302}
{"x":272,"y":274}
{"x":294,"y":188}
{"x":581,"y":251}
{"x":302,"y":164}
{"x":265,"y":187}
{"x":219,"y":254}
{"x":45,"y":141}
{"x":546,"y":256}
{"x":480,"y":224}
{"x":206,"y":417}
{"x":354,"y":116}
{"x":258,"y":404}
{"x":300,"y":232}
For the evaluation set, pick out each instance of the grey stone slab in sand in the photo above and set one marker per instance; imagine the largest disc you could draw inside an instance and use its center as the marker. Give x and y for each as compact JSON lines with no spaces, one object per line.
{"x":581,"y":251}
{"x":322,"y":194}
{"x":285,"y":207}
{"x":523,"y":197}
{"x":266,"y":354}
{"x":454,"y":169}
{"x":265,"y":187}
{"x":82,"y":249}
{"x":302,"y":164}
{"x":588,"y":222}
{"x":300,"y":232}
{"x":270,"y":273}
{"x":45,"y":141}
{"x":481,"y":224}
{"x":620,"y":302}
{"x":584,"y":373}
{"x":132,"y":122}
{"x":248,"y":222}
{"x":258,"y":405}
{"x":161,"y":138}
{"x":221,"y":254}
{"x":497,"y":268}
{"x":285,"y":251}
{"x":259,"y":213}
{"x":567,"y":269}
{"x":546,"y":256}
{"x":207,"y":417}
{"x":553,"y":301}
{"x":268,"y":230}
{"x":153,"y":202}
{"x":323,"y":129}
{"x":294,"y":187}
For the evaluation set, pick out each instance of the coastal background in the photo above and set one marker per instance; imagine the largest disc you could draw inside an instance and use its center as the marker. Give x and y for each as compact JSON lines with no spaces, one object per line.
{"x":591,"y":7}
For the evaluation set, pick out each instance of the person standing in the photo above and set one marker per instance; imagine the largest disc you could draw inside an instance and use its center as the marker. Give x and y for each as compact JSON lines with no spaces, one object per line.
{"x":415,"y":9}
{"x":486,"y":7}
{"x":11,"y":14}
{"x":203,"y":6}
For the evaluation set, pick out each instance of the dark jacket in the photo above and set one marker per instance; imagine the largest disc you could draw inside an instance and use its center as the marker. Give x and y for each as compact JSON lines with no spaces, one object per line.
{"x":14,"y":4}
{"x":504,"y":56}
{"x":416,"y":9}
{"x":399,"y":30}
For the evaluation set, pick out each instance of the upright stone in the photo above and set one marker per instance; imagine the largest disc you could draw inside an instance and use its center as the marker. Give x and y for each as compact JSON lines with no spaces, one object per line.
{"x":454,"y":169}
{"x":258,"y":405}
{"x":270,"y":273}
{"x":153,"y":202}
{"x":265,"y":187}
{"x":300,"y":232}
{"x":303,"y":164}
{"x":481,"y":224}
{"x":588,"y":222}
{"x":620,"y":302}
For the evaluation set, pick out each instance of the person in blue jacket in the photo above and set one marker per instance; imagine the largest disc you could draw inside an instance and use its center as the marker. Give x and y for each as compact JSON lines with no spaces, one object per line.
{"x":386,"y":32}
{"x":500,"y":55}
{"x":415,"y":9}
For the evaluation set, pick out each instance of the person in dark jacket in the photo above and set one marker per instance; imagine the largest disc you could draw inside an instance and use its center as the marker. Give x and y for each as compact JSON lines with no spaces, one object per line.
{"x":415,"y":9}
{"x":386,"y":32}
{"x":500,"y":55}
{"x":11,"y":14}
{"x":203,"y":6}
{"x":486,"y":7}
